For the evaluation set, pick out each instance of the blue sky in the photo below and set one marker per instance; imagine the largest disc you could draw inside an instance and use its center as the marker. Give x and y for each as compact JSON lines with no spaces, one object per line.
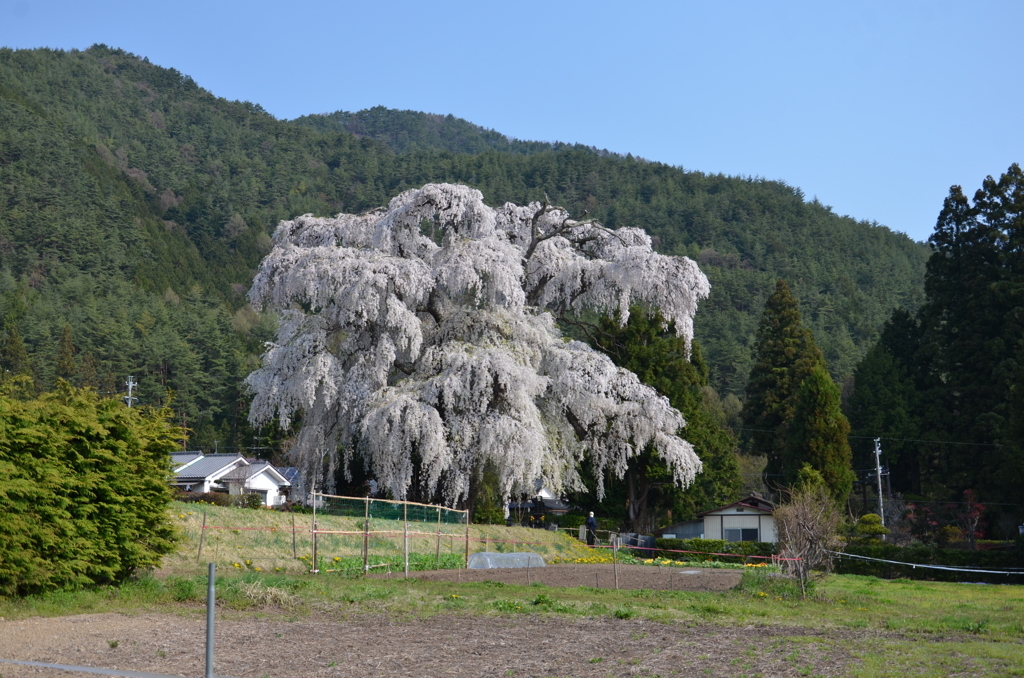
{"x":876,"y":108}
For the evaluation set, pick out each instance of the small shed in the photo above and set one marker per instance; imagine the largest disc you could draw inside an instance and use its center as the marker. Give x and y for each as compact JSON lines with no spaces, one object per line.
{"x":749,"y":519}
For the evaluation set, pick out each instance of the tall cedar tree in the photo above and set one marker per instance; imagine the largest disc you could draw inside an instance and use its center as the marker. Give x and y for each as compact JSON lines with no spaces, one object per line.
{"x":652,"y":351}
{"x":66,"y":368}
{"x":818,"y":436}
{"x":784,"y":355}
{"x":965,"y":359}
{"x":885,"y":403}
{"x":14,"y":360}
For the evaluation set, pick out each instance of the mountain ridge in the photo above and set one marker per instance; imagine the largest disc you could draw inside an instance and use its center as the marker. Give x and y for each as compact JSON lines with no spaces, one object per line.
{"x":135,"y":194}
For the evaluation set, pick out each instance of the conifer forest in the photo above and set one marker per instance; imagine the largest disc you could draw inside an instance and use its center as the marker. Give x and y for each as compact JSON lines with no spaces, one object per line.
{"x":136,"y":209}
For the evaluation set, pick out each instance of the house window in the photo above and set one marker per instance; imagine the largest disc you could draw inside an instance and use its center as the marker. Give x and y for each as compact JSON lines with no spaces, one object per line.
{"x":744,"y":534}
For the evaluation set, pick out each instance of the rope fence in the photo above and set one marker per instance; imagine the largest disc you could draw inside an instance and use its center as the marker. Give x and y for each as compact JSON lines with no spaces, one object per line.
{"x":948,"y":568}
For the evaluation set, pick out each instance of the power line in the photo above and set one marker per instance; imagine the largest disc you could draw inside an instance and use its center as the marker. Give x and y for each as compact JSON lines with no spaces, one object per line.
{"x":902,"y":440}
{"x":937,"y":442}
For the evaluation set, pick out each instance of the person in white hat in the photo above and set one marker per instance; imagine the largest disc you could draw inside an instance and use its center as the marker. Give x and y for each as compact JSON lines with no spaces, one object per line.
{"x":591,"y":529}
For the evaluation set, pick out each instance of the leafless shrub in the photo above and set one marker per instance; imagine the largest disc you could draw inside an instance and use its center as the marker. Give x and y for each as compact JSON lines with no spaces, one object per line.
{"x":896,"y":513}
{"x":808,"y":527}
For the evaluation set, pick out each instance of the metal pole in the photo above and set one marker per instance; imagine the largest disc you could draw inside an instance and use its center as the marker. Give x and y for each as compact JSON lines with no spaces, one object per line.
{"x":211,"y":598}
{"x":202,"y":534}
{"x":295,"y":553}
{"x":467,"y":539}
{"x":878,"y":474}
{"x":405,"y":522}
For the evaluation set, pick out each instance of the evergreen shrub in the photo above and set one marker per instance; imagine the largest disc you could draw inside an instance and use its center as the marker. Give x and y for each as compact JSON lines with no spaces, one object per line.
{"x":214,"y":498}
{"x":84,"y":496}
{"x":249,"y":501}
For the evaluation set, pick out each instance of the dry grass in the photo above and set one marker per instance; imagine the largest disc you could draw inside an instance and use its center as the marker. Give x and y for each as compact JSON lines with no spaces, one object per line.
{"x":261,"y":540}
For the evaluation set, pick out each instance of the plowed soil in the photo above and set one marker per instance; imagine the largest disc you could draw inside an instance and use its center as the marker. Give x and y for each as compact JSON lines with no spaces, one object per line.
{"x":375,"y":646}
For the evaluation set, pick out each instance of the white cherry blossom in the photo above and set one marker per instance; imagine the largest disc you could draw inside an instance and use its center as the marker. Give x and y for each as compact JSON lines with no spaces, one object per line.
{"x":420,"y":340}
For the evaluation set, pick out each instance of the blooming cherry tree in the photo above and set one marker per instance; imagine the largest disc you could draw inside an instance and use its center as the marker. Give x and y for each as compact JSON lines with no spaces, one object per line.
{"x":421,"y":341}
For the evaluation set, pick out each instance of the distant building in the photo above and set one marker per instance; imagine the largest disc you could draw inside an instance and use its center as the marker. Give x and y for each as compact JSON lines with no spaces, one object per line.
{"x":750,"y":519}
{"x":541,"y":495}
{"x":230,"y":473}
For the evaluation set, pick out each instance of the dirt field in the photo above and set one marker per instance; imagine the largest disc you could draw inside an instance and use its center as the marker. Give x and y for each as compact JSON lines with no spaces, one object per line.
{"x":598,"y":576}
{"x":458,"y":646}
{"x":270,"y":645}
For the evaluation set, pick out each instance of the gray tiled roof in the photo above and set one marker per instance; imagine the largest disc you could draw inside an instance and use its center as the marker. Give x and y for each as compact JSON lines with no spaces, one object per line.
{"x":207,"y":466}
{"x":254,"y":468}
{"x":179,"y":459}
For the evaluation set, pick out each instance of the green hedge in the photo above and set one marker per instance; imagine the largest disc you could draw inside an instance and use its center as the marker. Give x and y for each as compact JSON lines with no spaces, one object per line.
{"x":928,"y":555}
{"x":706,"y":548}
{"x":251,"y":501}
{"x":84,"y":492}
{"x":214,"y":498}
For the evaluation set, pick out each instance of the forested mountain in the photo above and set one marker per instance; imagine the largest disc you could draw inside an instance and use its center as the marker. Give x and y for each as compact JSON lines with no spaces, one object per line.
{"x":136,"y":205}
{"x":408,"y":131}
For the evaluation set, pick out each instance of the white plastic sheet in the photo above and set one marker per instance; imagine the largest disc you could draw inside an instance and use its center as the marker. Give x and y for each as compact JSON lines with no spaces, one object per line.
{"x":486,"y":560}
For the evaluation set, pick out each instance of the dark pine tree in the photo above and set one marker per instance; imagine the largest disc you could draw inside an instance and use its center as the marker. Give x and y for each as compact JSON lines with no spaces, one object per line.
{"x":14,"y":358}
{"x":972,"y":324}
{"x":66,"y":368}
{"x":885,"y":403}
{"x":784,"y":356}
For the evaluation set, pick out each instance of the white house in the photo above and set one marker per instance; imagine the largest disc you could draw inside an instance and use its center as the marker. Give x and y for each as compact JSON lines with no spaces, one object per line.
{"x":231,"y":473}
{"x":750,"y":519}
{"x":259,"y":477}
{"x":196,"y":472}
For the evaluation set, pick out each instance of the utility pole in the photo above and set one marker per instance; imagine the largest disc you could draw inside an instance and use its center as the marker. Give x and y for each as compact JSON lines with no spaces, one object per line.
{"x":878,"y":474}
{"x":131,"y":383}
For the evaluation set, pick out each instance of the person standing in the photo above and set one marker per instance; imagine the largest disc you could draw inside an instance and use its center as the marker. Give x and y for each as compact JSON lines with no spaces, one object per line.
{"x":591,"y":529}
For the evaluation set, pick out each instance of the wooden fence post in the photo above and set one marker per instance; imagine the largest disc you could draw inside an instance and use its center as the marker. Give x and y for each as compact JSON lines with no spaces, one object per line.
{"x":615,"y":562}
{"x":202,"y":535}
{"x":437,"y":556}
{"x":405,"y":522}
{"x":366,"y":538}
{"x":467,"y":540}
